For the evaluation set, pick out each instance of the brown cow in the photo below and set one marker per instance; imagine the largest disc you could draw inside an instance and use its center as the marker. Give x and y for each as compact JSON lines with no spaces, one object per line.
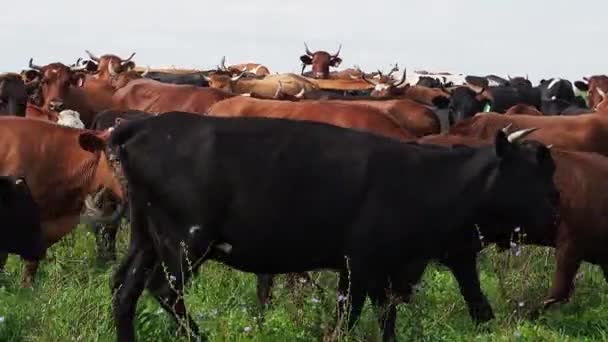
{"x":34,"y":112}
{"x":111,"y":65}
{"x":61,"y":87}
{"x":353,"y":116}
{"x":255,"y":69}
{"x":320,"y":61}
{"x":62,"y":166}
{"x":156,"y":97}
{"x":585,"y":132}
{"x":523,"y":109}
{"x":582,"y":232}
{"x":291,"y":84}
{"x":591,"y":85}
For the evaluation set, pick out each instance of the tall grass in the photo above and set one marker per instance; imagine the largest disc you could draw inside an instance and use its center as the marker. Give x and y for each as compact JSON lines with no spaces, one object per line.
{"x":71,"y":302}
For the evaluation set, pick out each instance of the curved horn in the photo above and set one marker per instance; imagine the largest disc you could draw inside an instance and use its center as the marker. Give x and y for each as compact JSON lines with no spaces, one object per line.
{"x":300,"y":95}
{"x":520,"y":134}
{"x":509,"y":77}
{"x":549,"y":146}
{"x":34,"y":66}
{"x":223,"y":64}
{"x":236,"y":78}
{"x":96,"y":216}
{"x":481,"y":91}
{"x":601,"y":92}
{"x":307,"y":50}
{"x":111,"y":70}
{"x":278,"y":92}
{"x":92,"y":56}
{"x":338,"y":52}
{"x":403,"y":78}
{"x":364,"y":78}
{"x":146,"y":72}
{"x":505,"y":129}
{"x":128,"y":59}
{"x":527,"y":77}
{"x":393,"y":70}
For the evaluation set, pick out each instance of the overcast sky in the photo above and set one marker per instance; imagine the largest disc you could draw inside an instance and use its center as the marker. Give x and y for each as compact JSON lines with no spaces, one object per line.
{"x":542,"y":38}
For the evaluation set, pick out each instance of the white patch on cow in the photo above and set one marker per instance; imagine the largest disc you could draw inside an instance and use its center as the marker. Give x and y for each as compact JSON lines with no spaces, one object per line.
{"x":381,"y":86}
{"x":194,"y":229}
{"x":255,"y":70}
{"x":493,"y":83}
{"x":70,"y":118}
{"x":553,"y":98}
{"x":134,"y":270}
{"x":224,"y":247}
{"x":554,"y":82}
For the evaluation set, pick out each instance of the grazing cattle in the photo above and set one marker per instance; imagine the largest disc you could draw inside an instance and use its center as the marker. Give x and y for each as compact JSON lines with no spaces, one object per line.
{"x":109,"y":66}
{"x":585,"y":132}
{"x":194,"y":78}
{"x":155,"y":97}
{"x":290,"y":84}
{"x":320,"y":61}
{"x":591,"y":85}
{"x":62,"y":166}
{"x":346,"y":115}
{"x":20,"y":220}
{"x":61,"y":87}
{"x":354,"y":212}
{"x":13,"y":96}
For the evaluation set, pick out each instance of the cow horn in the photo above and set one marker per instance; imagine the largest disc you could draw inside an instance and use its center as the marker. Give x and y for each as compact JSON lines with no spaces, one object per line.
{"x":278,"y":92}
{"x":34,"y":66}
{"x":509,"y":77}
{"x":481,"y":91}
{"x":205,"y":77}
{"x":223,"y":64}
{"x":338,"y":52}
{"x":300,"y":95}
{"x":549,"y":146}
{"x":111,"y":70}
{"x":146,"y":72}
{"x":236,"y":78}
{"x":307,"y":50}
{"x":393,"y":70}
{"x":403,"y":78}
{"x":520,"y":134}
{"x":601,"y":92}
{"x":128,"y":59}
{"x":505,"y":129}
{"x":527,"y":77}
{"x":92,"y":56}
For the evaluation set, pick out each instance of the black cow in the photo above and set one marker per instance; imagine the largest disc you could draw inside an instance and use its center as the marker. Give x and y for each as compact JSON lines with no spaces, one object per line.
{"x":193,"y":78}
{"x":308,"y":196}
{"x":20,"y":221}
{"x":13,"y":95}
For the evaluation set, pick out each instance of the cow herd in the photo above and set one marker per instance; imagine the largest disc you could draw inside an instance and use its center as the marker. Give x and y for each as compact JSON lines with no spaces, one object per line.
{"x":271,"y":173}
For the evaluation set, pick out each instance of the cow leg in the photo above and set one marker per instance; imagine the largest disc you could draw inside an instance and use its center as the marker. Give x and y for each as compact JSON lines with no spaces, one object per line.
{"x":387,"y":310}
{"x":464,"y":268}
{"x":29,"y":273}
{"x":568,"y":263}
{"x":264,"y":287}
{"x":3,"y":259}
{"x":105,"y":238}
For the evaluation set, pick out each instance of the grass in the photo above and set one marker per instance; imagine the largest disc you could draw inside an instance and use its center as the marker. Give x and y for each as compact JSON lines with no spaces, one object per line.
{"x":71,"y":302}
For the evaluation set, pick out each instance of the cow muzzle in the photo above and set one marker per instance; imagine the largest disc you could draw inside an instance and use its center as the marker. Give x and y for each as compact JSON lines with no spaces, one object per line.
{"x":56,"y":106}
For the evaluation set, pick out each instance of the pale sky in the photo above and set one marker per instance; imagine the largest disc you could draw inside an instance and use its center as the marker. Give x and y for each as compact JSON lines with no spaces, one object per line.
{"x":543,"y":38}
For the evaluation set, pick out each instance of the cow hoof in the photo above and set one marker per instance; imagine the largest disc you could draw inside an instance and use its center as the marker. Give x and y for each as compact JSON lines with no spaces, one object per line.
{"x":482,"y":313}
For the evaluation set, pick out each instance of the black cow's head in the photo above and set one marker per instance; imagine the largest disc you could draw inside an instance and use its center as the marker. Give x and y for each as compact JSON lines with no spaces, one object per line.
{"x":13,"y":95}
{"x":20,"y":220}
{"x":320,"y":61}
{"x":556,"y":89}
{"x":429,"y":82}
{"x":520,"y":190}
{"x":464,"y":103}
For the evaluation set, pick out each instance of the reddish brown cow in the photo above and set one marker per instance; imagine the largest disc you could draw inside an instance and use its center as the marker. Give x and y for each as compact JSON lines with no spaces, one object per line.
{"x":592,"y":85}
{"x":34,"y":112}
{"x":109,"y":65}
{"x":523,"y":109}
{"x":156,"y":97}
{"x":320,"y":61}
{"x":582,"y":232}
{"x":386,"y":87}
{"x":585,"y":132}
{"x":339,"y":114}
{"x":61,"y":87}
{"x":62,"y":166}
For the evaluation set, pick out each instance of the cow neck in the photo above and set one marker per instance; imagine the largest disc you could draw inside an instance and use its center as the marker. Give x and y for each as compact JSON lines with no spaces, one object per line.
{"x":243,"y":86}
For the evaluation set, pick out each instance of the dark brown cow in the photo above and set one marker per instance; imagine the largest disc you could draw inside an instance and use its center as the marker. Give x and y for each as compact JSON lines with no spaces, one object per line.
{"x":109,"y":65}
{"x":582,"y":234}
{"x":13,"y":95}
{"x":320,"y":61}
{"x":353,"y":116}
{"x":156,"y":97}
{"x":62,"y":166}
{"x":523,"y":109}
{"x":585,"y":132}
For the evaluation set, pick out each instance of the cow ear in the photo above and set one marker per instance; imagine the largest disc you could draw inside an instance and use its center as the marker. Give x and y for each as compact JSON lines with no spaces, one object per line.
{"x":580,"y":85}
{"x":129,"y":66}
{"x":335,"y":62}
{"x":441,"y":102}
{"x":306,"y":59}
{"x":78,"y":79}
{"x":91,"y":142}
{"x":91,"y":66}
{"x":501,"y":144}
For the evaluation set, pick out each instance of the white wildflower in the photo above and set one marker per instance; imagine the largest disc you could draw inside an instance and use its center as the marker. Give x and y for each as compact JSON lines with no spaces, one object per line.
{"x":247,"y":329}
